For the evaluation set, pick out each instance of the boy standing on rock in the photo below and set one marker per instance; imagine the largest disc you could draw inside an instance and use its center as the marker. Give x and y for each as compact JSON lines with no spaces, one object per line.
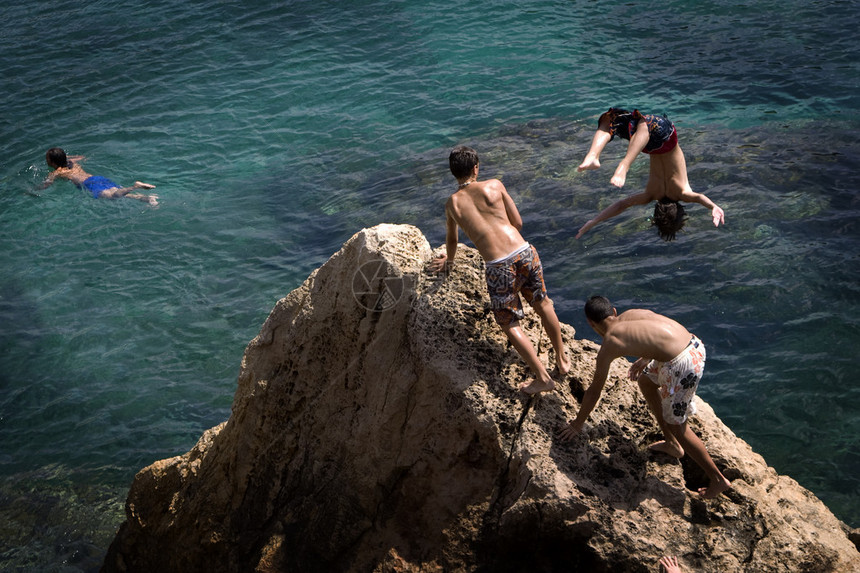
{"x":492,"y":222}
{"x":670,"y":364}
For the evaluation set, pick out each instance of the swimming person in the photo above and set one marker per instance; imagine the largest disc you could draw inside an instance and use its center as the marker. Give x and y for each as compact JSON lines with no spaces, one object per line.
{"x":667,"y":180}
{"x":670,"y":364}
{"x":101,"y":187}
{"x":490,"y":218}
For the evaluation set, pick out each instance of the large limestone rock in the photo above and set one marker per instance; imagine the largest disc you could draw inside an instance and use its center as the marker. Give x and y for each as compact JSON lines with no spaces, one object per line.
{"x":377,"y":427}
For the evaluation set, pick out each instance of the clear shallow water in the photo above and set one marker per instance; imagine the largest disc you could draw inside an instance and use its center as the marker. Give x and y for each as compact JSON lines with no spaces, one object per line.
{"x":274,"y":131}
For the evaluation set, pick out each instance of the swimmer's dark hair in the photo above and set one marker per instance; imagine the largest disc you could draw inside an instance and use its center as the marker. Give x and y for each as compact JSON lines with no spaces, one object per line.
{"x":56,"y":156}
{"x":597,"y":308}
{"x":669,"y":218}
{"x":462,"y":161}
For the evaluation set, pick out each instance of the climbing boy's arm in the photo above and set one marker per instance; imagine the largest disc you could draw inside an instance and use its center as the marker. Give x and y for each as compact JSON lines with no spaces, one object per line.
{"x":595,"y":389}
{"x":591,"y":397}
{"x":452,"y":232}
{"x":637,"y":368}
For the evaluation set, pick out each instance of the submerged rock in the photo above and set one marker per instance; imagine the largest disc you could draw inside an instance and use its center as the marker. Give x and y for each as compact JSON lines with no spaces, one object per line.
{"x":377,"y":426}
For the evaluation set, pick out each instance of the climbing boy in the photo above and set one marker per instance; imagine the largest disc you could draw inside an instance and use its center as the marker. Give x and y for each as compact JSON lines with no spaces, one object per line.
{"x":668,"y":369}
{"x":490,"y":219}
{"x":101,"y":187}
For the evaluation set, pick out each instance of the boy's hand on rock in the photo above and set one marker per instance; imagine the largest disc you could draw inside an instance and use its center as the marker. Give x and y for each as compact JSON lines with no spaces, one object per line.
{"x":569,"y":431}
{"x":439,"y":264}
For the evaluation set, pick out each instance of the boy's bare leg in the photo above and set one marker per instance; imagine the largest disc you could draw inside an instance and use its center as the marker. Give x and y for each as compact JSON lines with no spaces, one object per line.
{"x":151,"y":199}
{"x":598,"y":142}
{"x":141,"y":185}
{"x":546,"y":311}
{"x":681,"y":439}
{"x":669,"y":445}
{"x":118,"y":192}
{"x":542,"y":381}
{"x":696,"y":449}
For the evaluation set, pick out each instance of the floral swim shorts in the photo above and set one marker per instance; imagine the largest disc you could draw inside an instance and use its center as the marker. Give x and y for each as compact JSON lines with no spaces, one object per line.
{"x":519,"y":272}
{"x":678,"y":380}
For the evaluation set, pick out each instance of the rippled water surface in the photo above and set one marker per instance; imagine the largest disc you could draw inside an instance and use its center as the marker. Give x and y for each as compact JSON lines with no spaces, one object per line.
{"x":276,"y":130}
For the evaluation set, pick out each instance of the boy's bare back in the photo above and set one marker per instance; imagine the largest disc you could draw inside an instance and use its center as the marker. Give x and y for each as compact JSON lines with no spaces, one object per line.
{"x":646,"y":334}
{"x":74,"y":173}
{"x":488,"y":216}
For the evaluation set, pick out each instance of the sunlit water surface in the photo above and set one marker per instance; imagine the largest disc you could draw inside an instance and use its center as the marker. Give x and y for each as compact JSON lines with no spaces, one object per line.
{"x":274,"y":131}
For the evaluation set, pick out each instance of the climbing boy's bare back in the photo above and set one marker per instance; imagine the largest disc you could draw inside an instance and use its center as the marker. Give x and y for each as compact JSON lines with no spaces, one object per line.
{"x":488,"y":215}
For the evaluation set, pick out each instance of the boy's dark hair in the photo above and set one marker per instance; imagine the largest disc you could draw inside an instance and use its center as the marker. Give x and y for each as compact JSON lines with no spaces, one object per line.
{"x":614,"y":115}
{"x":669,"y":218}
{"x":462,"y":161}
{"x":597,"y":308}
{"x":56,"y":156}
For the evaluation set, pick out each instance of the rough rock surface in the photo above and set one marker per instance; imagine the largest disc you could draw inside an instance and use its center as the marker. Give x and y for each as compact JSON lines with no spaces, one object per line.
{"x":377,"y":427}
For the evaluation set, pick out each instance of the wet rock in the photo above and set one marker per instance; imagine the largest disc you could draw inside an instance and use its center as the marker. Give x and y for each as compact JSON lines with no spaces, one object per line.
{"x":377,"y":426}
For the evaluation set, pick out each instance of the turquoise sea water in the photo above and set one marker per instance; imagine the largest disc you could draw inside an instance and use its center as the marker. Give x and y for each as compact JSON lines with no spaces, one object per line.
{"x":276,"y":130}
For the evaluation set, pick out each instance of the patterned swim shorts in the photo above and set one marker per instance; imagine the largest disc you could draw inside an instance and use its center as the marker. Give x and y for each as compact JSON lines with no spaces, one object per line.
{"x":663,"y":137}
{"x":678,"y":380}
{"x":519,"y":272}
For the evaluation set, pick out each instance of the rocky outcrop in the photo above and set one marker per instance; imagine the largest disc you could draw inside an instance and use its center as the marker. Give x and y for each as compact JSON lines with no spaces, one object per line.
{"x":377,"y":427}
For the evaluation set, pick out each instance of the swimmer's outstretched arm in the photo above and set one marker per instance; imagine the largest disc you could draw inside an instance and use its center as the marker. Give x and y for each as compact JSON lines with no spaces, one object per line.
{"x":616,"y":208}
{"x":48,"y":181}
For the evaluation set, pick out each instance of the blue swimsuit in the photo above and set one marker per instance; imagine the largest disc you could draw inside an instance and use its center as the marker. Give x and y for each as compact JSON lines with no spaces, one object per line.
{"x":662,"y":134}
{"x":96,"y":184}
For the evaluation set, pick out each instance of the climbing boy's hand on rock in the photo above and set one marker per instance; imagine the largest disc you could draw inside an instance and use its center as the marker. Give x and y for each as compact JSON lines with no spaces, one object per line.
{"x":569,"y":431}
